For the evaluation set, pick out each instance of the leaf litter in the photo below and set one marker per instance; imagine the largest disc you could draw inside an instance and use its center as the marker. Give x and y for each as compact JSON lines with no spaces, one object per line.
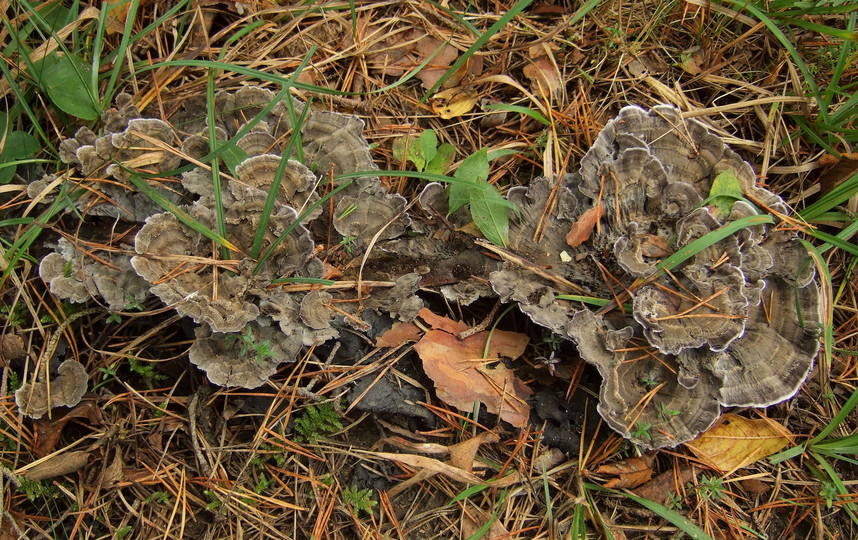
{"x":596,"y":88}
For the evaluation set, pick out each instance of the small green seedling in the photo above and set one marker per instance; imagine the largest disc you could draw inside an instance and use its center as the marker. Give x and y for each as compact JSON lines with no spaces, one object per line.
{"x":315,"y":421}
{"x":161,"y":497}
{"x":423,"y":151}
{"x":674,"y":501}
{"x":263,"y":350}
{"x":34,"y":490}
{"x":262,"y":484}
{"x":711,"y":487}
{"x":664,"y":413}
{"x":348,"y":243}
{"x":360,"y":500}
{"x":642,"y":431}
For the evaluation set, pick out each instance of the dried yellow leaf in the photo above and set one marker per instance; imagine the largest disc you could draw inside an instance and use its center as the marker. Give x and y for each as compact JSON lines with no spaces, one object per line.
{"x":736,"y":442}
{"x":454,"y":102}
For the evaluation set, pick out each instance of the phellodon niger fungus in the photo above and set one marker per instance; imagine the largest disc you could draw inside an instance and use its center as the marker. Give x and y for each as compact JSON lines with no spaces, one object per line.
{"x":734,"y":323}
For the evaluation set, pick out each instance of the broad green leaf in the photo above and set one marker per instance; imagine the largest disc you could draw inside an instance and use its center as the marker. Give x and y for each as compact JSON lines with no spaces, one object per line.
{"x":725,"y":191}
{"x":474,"y":169}
{"x":407,"y":148}
{"x":67,"y":83}
{"x":19,"y":145}
{"x":443,"y":158}
{"x":418,"y":150}
{"x":490,"y":211}
{"x":428,"y":147}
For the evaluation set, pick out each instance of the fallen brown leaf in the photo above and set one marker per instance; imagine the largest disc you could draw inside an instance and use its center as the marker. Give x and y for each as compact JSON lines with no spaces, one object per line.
{"x":655,"y":246}
{"x":11,"y":346}
{"x":47,"y":432}
{"x":658,"y":488}
{"x":437,"y":322}
{"x":112,"y":474}
{"x":630,"y":473}
{"x":543,"y":75}
{"x":836,"y":171}
{"x":736,"y":442}
{"x":439,"y":64}
{"x":59,"y":465}
{"x":462,"y":376}
{"x":583,"y":226}
{"x":462,"y":454}
{"x":398,"y":334}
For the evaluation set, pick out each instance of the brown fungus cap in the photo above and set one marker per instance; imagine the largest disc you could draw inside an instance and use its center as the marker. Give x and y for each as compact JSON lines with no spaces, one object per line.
{"x":77,"y":278}
{"x":245,"y":359}
{"x":297,"y":185}
{"x":177,"y":261}
{"x":66,"y":390}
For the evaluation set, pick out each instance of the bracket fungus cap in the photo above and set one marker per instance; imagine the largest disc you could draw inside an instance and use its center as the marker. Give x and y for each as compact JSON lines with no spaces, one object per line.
{"x":66,"y":390}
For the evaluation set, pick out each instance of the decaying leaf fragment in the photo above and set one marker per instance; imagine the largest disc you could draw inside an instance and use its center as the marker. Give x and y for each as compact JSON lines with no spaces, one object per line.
{"x":66,"y":390}
{"x":462,"y":375}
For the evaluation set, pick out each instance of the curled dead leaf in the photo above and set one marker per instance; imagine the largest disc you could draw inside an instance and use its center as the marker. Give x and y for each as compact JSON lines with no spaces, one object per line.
{"x":462,"y":454}
{"x":47,"y":432}
{"x":583,"y":227}
{"x":59,"y":465}
{"x":11,"y":346}
{"x":454,"y":102}
{"x":544,"y":77}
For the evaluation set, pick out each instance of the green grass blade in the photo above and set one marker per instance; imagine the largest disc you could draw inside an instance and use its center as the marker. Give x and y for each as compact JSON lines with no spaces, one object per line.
{"x":821,"y":28}
{"x":536,"y":115}
{"x":213,"y":145}
{"x":680,"y":521}
{"x":835,"y":197}
{"x":709,"y":239}
{"x":467,"y":492}
{"x":20,"y":247}
{"x":838,"y":419}
{"x":126,"y":40}
{"x":834,"y":241}
{"x":274,"y":190}
{"x":241,"y":70}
